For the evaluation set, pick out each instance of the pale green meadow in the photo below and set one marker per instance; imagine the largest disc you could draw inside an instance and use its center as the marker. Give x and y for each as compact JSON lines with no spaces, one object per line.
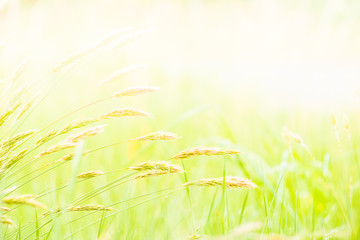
{"x":179,"y":120}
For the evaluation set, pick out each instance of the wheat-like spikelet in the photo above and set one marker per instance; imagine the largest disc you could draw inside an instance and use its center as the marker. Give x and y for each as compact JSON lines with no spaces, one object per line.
{"x":7,"y":220}
{"x":67,"y":129}
{"x":157,"y":165}
{"x":15,"y":158}
{"x":25,"y":108}
{"x":87,"y":133}
{"x":230,"y":182}
{"x":121,"y":73}
{"x":157,"y":136}
{"x":291,"y":136}
{"x":135,"y":91}
{"x":90,"y":207}
{"x":194,"y":237}
{"x":124,"y":112}
{"x":27,"y":199}
{"x":76,"y":125}
{"x":66,"y":158}
{"x":5,"y":209}
{"x":59,"y":147}
{"x":47,"y":137}
{"x":7,"y":144}
{"x":4,"y":116}
{"x":208,"y":151}
{"x":74,"y":140}
{"x":152,"y":173}
{"x":90,"y":174}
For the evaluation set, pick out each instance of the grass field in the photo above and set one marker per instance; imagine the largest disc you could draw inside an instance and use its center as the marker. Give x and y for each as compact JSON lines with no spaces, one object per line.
{"x":111,"y":132}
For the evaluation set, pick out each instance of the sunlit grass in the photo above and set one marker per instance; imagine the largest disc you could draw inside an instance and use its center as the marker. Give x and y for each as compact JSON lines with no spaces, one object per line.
{"x":89,"y":151}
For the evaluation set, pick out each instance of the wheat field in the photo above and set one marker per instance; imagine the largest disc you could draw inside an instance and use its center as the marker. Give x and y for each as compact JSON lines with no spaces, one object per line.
{"x":179,"y":119}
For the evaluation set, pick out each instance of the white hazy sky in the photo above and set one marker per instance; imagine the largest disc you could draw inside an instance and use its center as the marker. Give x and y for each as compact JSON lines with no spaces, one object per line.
{"x":299,"y":51}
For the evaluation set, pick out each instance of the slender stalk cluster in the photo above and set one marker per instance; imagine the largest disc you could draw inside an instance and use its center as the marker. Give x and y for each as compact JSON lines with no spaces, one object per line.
{"x":74,"y":140}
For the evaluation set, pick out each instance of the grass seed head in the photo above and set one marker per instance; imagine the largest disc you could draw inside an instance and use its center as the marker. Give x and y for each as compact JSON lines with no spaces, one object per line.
{"x":230,"y":182}
{"x":87,"y":133}
{"x":59,"y":147}
{"x":66,"y":158}
{"x":151,"y":173}
{"x":135,"y":91}
{"x":122,"y":73}
{"x":90,"y":207}
{"x":124,"y":112}
{"x":10,"y":110}
{"x":157,"y":165}
{"x":157,"y":136}
{"x":7,"y":220}
{"x":208,"y":151}
{"x":12,"y":141}
{"x":90,"y":174}
{"x":5,"y":209}
{"x":27,"y":199}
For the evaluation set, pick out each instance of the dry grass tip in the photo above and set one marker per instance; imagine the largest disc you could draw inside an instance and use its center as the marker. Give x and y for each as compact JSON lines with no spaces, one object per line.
{"x":208,"y":151}
{"x":229,"y":181}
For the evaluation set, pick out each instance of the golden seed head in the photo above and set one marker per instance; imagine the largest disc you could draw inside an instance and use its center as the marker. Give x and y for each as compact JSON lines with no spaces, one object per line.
{"x":151,"y":173}
{"x":77,"y":124}
{"x":194,"y":237}
{"x":230,"y":182}
{"x":157,"y":165}
{"x":5,"y":209}
{"x":27,"y":199}
{"x":135,"y":91}
{"x":90,"y":207}
{"x":4,"y":116}
{"x":15,"y":158}
{"x":74,"y":140}
{"x":122,"y":73}
{"x":290,"y":136}
{"x":87,"y":133}
{"x":157,"y":136}
{"x":124,"y":112}
{"x":333,"y":120}
{"x":66,"y":158}
{"x":7,"y":220}
{"x":59,"y":147}
{"x":208,"y":151}
{"x":47,"y":137}
{"x":11,"y":141}
{"x":90,"y":174}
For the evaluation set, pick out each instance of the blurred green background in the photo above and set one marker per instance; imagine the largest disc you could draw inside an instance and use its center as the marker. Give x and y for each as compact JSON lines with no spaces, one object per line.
{"x":232,"y":74}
